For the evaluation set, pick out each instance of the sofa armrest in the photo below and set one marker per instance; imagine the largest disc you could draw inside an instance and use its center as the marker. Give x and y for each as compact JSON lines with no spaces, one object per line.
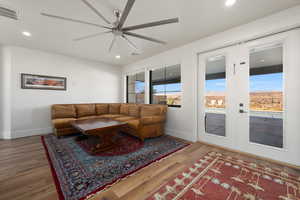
{"x":153,"y":120}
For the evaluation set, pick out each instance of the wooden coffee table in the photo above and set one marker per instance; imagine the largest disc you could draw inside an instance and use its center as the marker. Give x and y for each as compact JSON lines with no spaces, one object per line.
{"x":98,"y":132}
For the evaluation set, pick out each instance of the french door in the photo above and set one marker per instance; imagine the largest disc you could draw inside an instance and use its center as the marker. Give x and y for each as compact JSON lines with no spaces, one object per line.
{"x":247,"y":97}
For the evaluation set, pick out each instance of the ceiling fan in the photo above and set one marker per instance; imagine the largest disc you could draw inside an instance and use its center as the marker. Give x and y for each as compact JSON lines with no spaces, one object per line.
{"x":117,"y":27}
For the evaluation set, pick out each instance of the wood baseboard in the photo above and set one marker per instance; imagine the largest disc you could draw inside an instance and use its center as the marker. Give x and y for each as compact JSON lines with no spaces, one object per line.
{"x":296,"y":167}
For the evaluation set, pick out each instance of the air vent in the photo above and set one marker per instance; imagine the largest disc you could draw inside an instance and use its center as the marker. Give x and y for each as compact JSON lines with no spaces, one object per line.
{"x":135,"y":54}
{"x":6,"y":12}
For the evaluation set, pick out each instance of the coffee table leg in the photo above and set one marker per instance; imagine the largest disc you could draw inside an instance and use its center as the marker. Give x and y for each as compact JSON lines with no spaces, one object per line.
{"x":105,"y":143}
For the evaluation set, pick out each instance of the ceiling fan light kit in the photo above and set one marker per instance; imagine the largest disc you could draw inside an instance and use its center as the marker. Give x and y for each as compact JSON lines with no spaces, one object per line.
{"x":117,"y":27}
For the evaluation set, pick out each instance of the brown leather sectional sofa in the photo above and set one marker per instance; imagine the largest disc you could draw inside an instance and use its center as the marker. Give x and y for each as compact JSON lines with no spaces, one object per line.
{"x":144,"y":120}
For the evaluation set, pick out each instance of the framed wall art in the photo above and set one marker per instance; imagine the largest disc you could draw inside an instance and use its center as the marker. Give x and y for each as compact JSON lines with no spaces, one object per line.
{"x":42,"y":82}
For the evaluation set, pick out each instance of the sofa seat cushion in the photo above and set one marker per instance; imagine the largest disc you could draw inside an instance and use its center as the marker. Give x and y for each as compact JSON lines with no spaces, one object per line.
{"x":125,"y":118}
{"x":63,"y":122}
{"x":85,"y":110}
{"x":87,"y":117}
{"x":102,"y":109}
{"x":110,"y":116}
{"x":63,"y":111}
{"x":152,"y":120}
{"x":134,"y":124}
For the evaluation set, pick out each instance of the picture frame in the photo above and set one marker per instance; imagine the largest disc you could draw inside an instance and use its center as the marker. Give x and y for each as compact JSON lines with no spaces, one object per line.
{"x":43,"y":82}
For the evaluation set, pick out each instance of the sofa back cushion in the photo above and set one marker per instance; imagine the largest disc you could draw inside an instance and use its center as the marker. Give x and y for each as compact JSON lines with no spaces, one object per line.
{"x":63,"y":111}
{"x":152,"y":110}
{"x":134,"y":110}
{"x":85,"y":110}
{"x":102,"y":109}
{"x":114,"y":108}
{"x":124,"y":109}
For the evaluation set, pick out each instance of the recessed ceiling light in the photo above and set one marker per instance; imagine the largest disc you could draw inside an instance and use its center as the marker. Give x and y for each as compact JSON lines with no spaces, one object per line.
{"x":262,"y":60}
{"x":230,"y":3}
{"x":26,"y":33}
{"x":118,"y":56}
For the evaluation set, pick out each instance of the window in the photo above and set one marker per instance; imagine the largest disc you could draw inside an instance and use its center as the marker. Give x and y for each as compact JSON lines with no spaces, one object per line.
{"x":266,"y":96}
{"x":136,"y":88}
{"x":165,"y":86}
{"x":215,"y":96}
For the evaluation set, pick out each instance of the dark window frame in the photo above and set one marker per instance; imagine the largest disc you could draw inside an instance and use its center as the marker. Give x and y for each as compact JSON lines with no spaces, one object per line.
{"x":127,"y":90}
{"x":151,"y":89}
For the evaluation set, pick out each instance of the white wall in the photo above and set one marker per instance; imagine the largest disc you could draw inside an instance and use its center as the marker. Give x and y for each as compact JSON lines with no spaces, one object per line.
{"x":5,"y":111}
{"x":1,"y":92}
{"x":87,"y":82}
{"x":182,"y":122}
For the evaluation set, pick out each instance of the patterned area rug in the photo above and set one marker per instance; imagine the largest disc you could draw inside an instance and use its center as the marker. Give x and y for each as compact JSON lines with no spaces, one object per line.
{"x":78,"y":175}
{"x":219,"y":177}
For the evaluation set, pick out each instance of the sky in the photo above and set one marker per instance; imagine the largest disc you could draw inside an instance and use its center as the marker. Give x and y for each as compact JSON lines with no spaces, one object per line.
{"x":266,"y":82}
{"x":170,"y":88}
{"x":139,"y":86}
{"x":258,"y":83}
{"x":174,"y":87}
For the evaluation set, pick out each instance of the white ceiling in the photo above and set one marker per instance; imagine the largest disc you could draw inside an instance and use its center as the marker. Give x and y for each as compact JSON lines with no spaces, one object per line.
{"x":198,"y":18}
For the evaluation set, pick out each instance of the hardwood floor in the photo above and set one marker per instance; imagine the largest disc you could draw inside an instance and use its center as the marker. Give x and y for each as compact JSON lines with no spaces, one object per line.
{"x":25,"y":173}
{"x":24,"y":170}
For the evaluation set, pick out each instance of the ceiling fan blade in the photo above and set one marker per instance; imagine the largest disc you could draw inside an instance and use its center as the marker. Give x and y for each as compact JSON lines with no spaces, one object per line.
{"x":151,"y":24}
{"x":130,"y":43}
{"x":88,"y":4}
{"x":112,"y":43}
{"x":90,"y":36}
{"x":125,"y":13}
{"x":144,"y":37}
{"x":74,"y":20}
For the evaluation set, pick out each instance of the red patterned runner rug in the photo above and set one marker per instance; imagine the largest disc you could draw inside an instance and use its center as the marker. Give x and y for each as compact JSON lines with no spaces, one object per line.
{"x":220,"y":177}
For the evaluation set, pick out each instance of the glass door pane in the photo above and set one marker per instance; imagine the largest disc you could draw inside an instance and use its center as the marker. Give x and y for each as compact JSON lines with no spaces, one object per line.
{"x":215,"y":92}
{"x":266,"y":96}
{"x":140,"y":88}
{"x":173,"y":85}
{"x":158,"y":86}
{"x":136,"y":88}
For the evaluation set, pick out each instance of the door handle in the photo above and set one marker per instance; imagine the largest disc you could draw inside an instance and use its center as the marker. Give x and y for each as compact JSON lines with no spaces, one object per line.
{"x":234,"y":71}
{"x":242,"y":111}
